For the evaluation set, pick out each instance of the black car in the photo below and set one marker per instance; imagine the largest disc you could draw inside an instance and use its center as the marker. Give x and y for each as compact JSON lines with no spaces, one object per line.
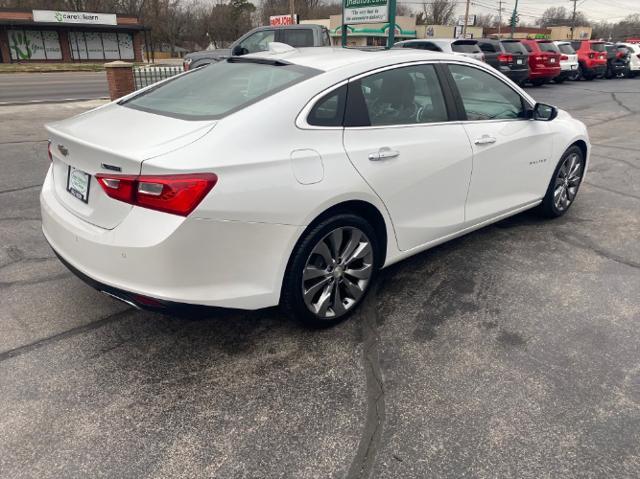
{"x":617,"y":61}
{"x":507,"y":56}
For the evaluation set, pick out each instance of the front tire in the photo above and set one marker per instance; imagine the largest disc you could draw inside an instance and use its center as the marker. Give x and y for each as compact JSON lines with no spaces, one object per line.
{"x":564,"y":184}
{"x":330,"y":271}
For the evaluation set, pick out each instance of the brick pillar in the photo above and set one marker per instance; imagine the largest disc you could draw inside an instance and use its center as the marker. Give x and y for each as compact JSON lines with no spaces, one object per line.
{"x":120,"y":79}
{"x":63,"y":38}
{"x":138,"y":41}
{"x":4,"y":46}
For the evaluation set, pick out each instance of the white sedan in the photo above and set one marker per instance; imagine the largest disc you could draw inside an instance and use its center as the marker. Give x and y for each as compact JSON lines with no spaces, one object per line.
{"x":292,"y":176}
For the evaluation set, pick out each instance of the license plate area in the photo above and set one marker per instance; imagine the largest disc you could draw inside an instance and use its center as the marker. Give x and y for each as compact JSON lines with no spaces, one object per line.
{"x":78,"y":183}
{"x":519,"y":61}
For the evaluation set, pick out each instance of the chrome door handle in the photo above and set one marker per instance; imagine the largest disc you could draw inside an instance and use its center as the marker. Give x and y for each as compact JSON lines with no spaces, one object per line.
{"x":485,"y":140}
{"x":383,"y":153}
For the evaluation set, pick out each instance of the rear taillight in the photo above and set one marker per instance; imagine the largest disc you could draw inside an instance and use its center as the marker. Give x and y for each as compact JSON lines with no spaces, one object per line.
{"x":175,"y":194}
{"x":504,"y":58}
{"x":49,"y":151}
{"x":563,"y":58}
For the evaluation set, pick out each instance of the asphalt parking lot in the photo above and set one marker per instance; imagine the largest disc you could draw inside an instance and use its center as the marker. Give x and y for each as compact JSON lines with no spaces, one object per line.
{"x":511,"y":352}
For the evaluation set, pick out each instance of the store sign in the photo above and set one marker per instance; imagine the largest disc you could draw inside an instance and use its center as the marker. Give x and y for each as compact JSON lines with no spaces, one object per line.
{"x":279,"y":20}
{"x":55,"y":16}
{"x":365,"y":11}
{"x":471,"y":20}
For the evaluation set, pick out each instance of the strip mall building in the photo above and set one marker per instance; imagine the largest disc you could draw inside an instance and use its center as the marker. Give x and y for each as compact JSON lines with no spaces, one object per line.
{"x":58,"y":36}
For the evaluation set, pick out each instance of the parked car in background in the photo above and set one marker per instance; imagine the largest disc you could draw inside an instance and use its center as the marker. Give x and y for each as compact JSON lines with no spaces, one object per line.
{"x":544,"y":61}
{"x":569,"y":67}
{"x":466,"y":48}
{"x":617,"y":61}
{"x":509,"y":57}
{"x":634,"y":57}
{"x":162,"y":197}
{"x":258,"y":39}
{"x":592,"y":58}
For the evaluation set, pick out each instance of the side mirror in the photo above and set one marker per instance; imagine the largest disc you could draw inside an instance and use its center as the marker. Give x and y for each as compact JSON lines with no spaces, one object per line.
{"x":544,"y":112}
{"x":238,"y":51}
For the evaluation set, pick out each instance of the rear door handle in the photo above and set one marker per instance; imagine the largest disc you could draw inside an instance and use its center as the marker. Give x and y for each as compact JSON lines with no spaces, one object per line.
{"x":485,"y":140}
{"x":383,"y":153}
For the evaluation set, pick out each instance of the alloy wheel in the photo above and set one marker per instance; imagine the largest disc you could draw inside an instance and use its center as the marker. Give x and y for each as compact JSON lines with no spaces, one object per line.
{"x":337,"y":272}
{"x":567,"y":182}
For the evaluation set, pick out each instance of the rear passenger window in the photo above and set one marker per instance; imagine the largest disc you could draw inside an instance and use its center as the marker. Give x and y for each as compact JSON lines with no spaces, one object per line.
{"x":528,"y":47}
{"x":329,"y":110}
{"x":298,"y":37}
{"x":487,"y":47}
{"x":401,"y":96}
{"x":484,"y":96}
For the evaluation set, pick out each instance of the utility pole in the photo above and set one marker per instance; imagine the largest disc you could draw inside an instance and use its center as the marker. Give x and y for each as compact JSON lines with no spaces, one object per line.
{"x":292,"y":9}
{"x":500,"y":2}
{"x":466,"y":20}
{"x":573,"y":17}
{"x":514,"y":19}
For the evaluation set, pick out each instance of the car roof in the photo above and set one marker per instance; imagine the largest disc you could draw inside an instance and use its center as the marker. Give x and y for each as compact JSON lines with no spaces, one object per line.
{"x":332,"y":58}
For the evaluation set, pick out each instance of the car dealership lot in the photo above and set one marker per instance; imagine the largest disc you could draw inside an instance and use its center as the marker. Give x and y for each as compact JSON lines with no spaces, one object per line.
{"x":511,"y":352}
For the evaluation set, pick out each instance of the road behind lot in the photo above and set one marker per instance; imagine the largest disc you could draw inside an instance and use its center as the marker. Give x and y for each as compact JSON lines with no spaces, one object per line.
{"x":39,"y":87}
{"x":511,"y":352}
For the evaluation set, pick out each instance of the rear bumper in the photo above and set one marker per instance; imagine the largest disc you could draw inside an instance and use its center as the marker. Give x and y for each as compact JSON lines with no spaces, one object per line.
{"x":595,"y":70}
{"x":170,"y":259}
{"x":541,"y":73}
{"x":516,"y":76}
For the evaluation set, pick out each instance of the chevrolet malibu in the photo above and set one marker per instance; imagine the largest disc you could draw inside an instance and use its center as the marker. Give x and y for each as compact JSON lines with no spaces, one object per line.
{"x":291,"y":177}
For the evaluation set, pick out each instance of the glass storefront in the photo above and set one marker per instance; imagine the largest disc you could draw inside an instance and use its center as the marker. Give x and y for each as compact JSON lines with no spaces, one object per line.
{"x":34,"y":45}
{"x":101,"y":45}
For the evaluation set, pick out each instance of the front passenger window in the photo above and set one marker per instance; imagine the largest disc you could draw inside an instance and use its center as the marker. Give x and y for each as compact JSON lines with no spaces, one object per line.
{"x":401,"y":96}
{"x":485,"y":97}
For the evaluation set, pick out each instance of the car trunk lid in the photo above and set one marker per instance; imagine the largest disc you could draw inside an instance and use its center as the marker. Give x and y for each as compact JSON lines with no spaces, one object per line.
{"x":111,"y":139}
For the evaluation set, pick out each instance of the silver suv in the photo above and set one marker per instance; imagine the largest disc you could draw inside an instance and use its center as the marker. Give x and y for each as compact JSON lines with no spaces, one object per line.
{"x":467,"y":48}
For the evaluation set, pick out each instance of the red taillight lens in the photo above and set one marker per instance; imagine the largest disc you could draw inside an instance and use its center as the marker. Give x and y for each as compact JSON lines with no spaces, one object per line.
{"x":175,"y":194}
{"x":185,"y":65}
{"x":49,"y":151}
{"x":563,"y":58}
{"x":504,"y":58}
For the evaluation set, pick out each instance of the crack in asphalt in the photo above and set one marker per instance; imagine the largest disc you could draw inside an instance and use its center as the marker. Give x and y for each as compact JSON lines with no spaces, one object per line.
{"x":626,"y":162}
{"x":363,"y":462}
{"x":31,"y":282}
{"x":587,"y":243}
{"x":611,"y":190}
{"x":22,"y":188}
{"x":17,"y":142}
{"x":20,"y":350}
{"x":622,"y":105}
{"x":626,"y":148}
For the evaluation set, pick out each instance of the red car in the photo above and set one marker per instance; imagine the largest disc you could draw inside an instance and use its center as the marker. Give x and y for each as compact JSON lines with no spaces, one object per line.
{"x":592,"y":57}
{"x":544,"y":61}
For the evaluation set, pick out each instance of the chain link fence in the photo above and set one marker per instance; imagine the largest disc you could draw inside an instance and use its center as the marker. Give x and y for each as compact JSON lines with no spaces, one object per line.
{"x":145,"y":76}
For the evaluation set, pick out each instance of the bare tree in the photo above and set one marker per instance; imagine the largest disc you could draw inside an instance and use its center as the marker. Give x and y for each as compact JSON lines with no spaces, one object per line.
{"x":438,"y":12}
{"x":561,"y":16}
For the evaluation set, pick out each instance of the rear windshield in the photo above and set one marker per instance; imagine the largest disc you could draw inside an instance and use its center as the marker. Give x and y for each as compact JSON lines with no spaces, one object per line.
{"x":548,"y":47}
{"x":566,"y":49}
{"x":598,"y":47}
{"x":514,"y":47}
{"x":219,"y":89}
{"x":466,"y":47}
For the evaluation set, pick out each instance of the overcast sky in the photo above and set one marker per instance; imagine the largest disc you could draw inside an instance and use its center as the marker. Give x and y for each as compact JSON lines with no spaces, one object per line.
{"x":613,"y":10}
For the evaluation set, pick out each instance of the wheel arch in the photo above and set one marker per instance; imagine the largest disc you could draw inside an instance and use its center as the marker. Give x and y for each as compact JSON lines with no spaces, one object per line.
{"x":362,"y":208}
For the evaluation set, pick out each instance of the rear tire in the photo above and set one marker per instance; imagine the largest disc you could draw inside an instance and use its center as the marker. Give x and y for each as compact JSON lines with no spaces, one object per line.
{"x":559,"y":80}
{"x":330,"y":271}
{"x":564,"y":184}
{"x":538,"y":82}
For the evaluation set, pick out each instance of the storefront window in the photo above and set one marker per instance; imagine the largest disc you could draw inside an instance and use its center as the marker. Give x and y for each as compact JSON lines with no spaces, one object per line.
{"x":101,"y":46}
{"x":34,"y":45}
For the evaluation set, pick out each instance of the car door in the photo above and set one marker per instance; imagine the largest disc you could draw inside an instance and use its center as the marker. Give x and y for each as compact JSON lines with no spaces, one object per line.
{"x":490,"y":53}
{"x":511,"y":153}
{"x":398,"y":136}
